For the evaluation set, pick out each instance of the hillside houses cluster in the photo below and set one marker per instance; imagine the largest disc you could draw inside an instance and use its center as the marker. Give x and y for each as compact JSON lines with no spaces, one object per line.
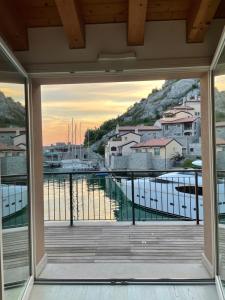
{"x":176,"y":134}
{"x":13,"y":150}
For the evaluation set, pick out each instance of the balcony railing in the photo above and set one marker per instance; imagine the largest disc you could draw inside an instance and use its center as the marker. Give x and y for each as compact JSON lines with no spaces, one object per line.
{"x":123,"y":196}
{"x":110,"y":196}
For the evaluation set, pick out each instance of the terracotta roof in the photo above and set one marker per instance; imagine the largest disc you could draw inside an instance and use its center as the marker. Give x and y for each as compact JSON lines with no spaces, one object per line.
{"x":183,"y":107}
{"x":220,"y":124}
{"x":147,"y":128}
{"x":12,"y":129}
{"x":180,"y":120}
{"x":125,"y":133}
{"x":139,"y":127}
{"x":121,"y":146}
{"x":162,"y":142}
{"x":220,"y":141}
{"x":4,"y":147}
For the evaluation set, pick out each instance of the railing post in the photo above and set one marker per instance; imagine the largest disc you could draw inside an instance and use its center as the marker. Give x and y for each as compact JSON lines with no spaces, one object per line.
{"x":196,"y":198}
{"x":71,"y":198}
{"x":132,"y":197}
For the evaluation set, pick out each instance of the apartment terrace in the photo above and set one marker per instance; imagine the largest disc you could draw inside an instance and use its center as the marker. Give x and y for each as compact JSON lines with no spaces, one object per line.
{"x":46,"y":42}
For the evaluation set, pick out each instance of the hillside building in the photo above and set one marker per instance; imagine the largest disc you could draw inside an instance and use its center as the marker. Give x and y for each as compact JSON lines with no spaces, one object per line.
{"x":20,"y":141}
{"x":162,"y":150}
{"x":7,"y":134}
{"x":120,"y":144}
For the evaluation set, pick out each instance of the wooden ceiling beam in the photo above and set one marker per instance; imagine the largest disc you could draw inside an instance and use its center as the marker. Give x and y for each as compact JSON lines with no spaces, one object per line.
{"x":137,"y":11}
{"x":72,"y":21}
{"x":12,"y":28}
{"x":200,"y":17}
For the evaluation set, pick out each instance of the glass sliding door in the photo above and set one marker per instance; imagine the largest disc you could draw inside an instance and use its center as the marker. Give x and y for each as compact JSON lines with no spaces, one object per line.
{"x":219,"y":130}
{"x":14,"y":176}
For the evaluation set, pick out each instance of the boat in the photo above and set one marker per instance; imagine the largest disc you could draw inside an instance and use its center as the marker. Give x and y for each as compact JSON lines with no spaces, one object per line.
{"x":171,"y":193}
{"x":77,"y":165}
{"x":14,"y":198}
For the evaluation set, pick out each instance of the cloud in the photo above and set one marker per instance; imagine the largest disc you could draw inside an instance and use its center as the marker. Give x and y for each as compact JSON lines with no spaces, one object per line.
{"x":90,"y":104}
{"x":13,"y":90}
{"x":220,"y":82}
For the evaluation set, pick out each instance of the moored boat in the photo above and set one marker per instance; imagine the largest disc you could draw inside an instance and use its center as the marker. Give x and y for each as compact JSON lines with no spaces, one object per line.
{"x":174,"y":193}
{"x":13,"y":198}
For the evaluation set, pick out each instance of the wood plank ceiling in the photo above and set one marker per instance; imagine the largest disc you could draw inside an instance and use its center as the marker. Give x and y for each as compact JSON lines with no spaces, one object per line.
{"x":16,"y":16}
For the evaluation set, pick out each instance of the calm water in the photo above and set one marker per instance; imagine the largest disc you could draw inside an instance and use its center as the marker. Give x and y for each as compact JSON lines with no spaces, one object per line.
{"x":94,"y":198}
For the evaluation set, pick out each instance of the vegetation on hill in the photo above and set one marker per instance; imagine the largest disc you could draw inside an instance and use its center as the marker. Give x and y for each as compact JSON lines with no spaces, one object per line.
{"x":12,"y":113}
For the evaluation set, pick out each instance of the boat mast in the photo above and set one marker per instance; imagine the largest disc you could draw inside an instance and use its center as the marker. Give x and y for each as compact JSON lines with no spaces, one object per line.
{"x":72,"y":139}
{"x":88,"y":144}
{"x":68,"y":137}
{"x":75,"y":139}
{"x":80,"y":140}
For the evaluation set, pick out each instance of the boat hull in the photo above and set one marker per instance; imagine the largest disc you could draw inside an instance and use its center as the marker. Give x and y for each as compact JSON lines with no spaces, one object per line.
{"x":14,"y":199}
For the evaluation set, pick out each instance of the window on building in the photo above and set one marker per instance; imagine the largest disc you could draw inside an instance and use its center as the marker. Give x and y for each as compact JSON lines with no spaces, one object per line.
{"x":187,"y":126}
{"x":113,"y":148}
{"x":191,"y":149}
{"x":157,"y":151}
{"x":166,"y":127}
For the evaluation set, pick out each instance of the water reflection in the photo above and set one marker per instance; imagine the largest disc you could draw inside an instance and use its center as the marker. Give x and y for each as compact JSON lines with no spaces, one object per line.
{"x":94,"y":198}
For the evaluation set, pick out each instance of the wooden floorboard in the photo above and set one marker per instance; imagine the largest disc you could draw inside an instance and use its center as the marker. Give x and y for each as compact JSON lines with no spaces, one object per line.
{"x":150,"y":243}
{"x":15,"y":248}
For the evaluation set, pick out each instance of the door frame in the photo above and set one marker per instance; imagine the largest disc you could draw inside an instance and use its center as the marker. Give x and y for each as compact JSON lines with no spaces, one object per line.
{"x":218,"y":52}
{"x":14,"y":62}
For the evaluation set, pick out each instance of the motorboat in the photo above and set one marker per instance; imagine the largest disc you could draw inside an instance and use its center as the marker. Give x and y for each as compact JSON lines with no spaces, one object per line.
{"x":174,"y":193}
{"x":13,"y":198}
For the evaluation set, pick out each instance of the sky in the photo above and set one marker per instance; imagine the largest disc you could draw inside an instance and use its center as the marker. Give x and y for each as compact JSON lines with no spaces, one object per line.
{"x":14,"y":90}
{"x":220,"y":82}
{"x":88,"y":104}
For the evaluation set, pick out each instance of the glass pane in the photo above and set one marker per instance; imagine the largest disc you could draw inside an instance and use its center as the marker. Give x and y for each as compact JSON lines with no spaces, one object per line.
{"x":219,"y":112}
{"x":14,"y":180}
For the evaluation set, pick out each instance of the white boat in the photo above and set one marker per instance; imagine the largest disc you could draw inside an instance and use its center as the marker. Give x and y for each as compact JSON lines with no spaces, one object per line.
{"x":171,"y":193}
{"x":76,"y":165}
{"x":13,"y":198}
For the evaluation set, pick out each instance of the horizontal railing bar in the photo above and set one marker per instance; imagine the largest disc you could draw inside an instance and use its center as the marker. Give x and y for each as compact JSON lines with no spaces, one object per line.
{"x":112,"y":172}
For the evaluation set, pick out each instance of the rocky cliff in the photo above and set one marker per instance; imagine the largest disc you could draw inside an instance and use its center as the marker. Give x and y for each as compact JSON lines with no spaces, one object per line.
{"x":12,"y":113}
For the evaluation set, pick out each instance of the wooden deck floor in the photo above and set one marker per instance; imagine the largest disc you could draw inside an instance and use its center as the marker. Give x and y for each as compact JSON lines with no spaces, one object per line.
{"x":125,"y":243}
{"x":15,"y":254}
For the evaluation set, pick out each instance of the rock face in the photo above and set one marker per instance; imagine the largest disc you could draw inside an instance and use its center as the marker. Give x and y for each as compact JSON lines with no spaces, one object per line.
{"x":12,"y":113}
{"x":171,"y":93}
{"x":148,"y":110}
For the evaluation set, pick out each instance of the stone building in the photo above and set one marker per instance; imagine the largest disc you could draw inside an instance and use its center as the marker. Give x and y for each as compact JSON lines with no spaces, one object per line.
{"x":7,"y":134}
{"x":120,"y":144}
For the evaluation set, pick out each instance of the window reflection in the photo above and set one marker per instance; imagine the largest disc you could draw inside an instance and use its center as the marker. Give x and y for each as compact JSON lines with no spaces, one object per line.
{"x":14,"y":182}
{"x":219,"y":114}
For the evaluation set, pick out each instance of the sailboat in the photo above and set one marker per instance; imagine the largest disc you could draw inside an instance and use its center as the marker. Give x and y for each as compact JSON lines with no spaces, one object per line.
{"x":72,"y":162}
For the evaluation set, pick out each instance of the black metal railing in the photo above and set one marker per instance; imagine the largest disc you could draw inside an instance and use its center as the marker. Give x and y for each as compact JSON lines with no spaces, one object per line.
{"x":123,"y":196}
{"x":114,"y":196}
